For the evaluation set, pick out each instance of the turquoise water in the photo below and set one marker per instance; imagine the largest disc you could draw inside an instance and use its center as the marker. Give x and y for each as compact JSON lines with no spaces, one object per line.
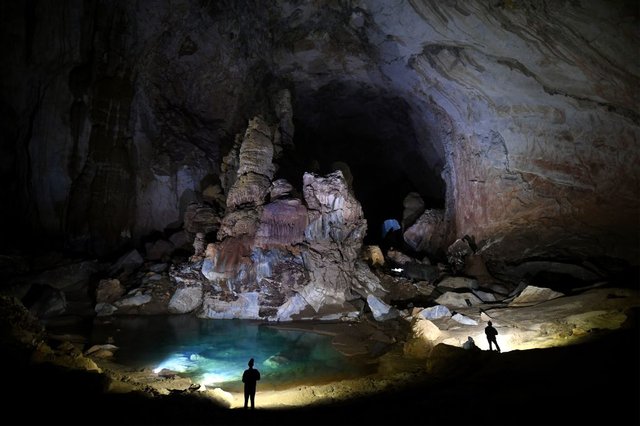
{"x":216,"y":352}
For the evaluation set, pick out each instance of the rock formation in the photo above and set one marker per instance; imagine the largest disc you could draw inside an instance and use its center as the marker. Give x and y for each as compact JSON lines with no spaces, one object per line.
{"x":516,"y":123}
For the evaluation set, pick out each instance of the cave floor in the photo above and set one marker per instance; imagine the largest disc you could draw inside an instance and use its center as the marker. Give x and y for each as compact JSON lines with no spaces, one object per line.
{"x":594,"y":382}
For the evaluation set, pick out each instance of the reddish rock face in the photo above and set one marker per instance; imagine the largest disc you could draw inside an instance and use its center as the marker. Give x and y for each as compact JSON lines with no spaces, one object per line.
{"x":282,"y":224}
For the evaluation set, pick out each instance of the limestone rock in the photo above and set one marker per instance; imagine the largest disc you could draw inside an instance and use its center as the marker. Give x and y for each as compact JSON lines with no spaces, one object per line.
{"x":458,"y":300}
{"x":334,"y":234}
{"x":334,"y":213}
{"x":427,"y":233}
{"x":463,"y":319}
{"x":136,"y":298}
{"x":181,"y":240}
{"x":255,"y":167}
{"x":283,"y":222}
{"x":105,"y":309}
{"x":457,"y":283}
{"x":221,"y":396}
{"x":373,"y":255}
{"x":245,"y":307}
{"x":127,"y":263}
{"x":185,"y":299}
{"x":159,"y":249}
{"x":201,"y":218}
{"x":435,"y":312}
{"x":240,"y":223}
{"x":457,"y":254}
{"x":109,"y":290}
{"x":380,"y":310}
{"x":424,"y":336}
{"x":250,"y":189}
{"x":413,"y":205}
{"x":532,"y":295}
{"x":280,"y":188}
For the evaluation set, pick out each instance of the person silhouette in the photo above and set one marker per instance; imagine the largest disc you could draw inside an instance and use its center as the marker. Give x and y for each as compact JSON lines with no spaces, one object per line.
{"x":470,"y":344}
{"x":491,"y":333}
{"x":249,"y":378}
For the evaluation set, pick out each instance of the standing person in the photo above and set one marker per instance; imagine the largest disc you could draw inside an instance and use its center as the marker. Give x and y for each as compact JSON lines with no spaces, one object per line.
{"x":491,"y":333}
{"x":249,"y":378}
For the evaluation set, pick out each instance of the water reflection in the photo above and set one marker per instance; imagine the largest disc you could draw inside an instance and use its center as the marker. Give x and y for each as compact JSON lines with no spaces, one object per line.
{"x":215,"y":352}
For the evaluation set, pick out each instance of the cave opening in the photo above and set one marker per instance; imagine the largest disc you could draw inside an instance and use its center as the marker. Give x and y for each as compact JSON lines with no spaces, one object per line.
{"x":369,"y":134}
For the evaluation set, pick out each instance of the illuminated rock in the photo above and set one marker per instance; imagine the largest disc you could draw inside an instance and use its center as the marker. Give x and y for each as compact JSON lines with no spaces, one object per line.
{"x":463,"y":319}
{"x":380,"y":310}
{"x":435,"y":312}
{"x":255,"y":167}
{"x":185,"y":299}
{"x":373,"y":255}
{"x":532,"y":295}
{"x":458,"y":300}
{"x":244,"y":305}
{"x":223,"y":397}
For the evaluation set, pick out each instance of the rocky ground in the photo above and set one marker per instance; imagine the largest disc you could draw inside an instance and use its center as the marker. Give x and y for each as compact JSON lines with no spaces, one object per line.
{"x":593,"y":379}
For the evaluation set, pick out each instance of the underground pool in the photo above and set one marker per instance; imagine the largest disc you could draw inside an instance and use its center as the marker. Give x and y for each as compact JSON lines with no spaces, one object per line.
{"x":215,"y":352}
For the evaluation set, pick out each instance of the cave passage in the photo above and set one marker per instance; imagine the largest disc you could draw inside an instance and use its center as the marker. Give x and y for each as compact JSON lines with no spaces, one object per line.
{"x":371,"y":132}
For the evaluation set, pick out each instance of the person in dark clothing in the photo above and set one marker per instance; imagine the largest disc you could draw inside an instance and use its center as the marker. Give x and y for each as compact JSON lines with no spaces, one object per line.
{"x":249,"y":378}
{"x":491,"y":333}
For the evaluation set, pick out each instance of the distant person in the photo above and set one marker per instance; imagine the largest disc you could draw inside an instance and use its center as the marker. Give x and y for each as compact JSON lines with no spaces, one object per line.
{"x":491,"y":333}
{"x":470,"y":344}
{"x":249,"y":378}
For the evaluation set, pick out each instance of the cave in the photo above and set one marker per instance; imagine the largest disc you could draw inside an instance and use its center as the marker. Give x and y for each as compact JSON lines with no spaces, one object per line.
{"x":346,"y":192}
{"x":368,"y":133}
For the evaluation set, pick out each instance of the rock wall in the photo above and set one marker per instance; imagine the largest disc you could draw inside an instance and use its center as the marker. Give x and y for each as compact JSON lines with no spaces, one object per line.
{"x":543,"y":100}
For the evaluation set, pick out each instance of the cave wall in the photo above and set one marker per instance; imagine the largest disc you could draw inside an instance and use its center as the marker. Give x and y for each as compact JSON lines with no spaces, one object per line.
{"x":115,"y":113}
{"x":543,"y":96}
{"x":122,"y":110}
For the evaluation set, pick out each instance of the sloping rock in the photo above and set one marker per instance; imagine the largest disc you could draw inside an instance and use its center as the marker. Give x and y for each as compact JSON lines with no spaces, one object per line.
{"x":424,"y":336}
{"x":380,"y":310}
{"x":127,"y":263}
{"x":458,"y":300}
{"x":435,"y":312}
{"x":427,"y":234}
{"x":457,"y":283}
{"x":532,"y":295}
{"x":245,"y":306}
{"x":185,"y":299}
{"x":463,"y":319}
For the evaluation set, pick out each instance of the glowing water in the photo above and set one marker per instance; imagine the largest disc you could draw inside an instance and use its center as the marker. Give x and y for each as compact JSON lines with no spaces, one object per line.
{"x":216,"y":352}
